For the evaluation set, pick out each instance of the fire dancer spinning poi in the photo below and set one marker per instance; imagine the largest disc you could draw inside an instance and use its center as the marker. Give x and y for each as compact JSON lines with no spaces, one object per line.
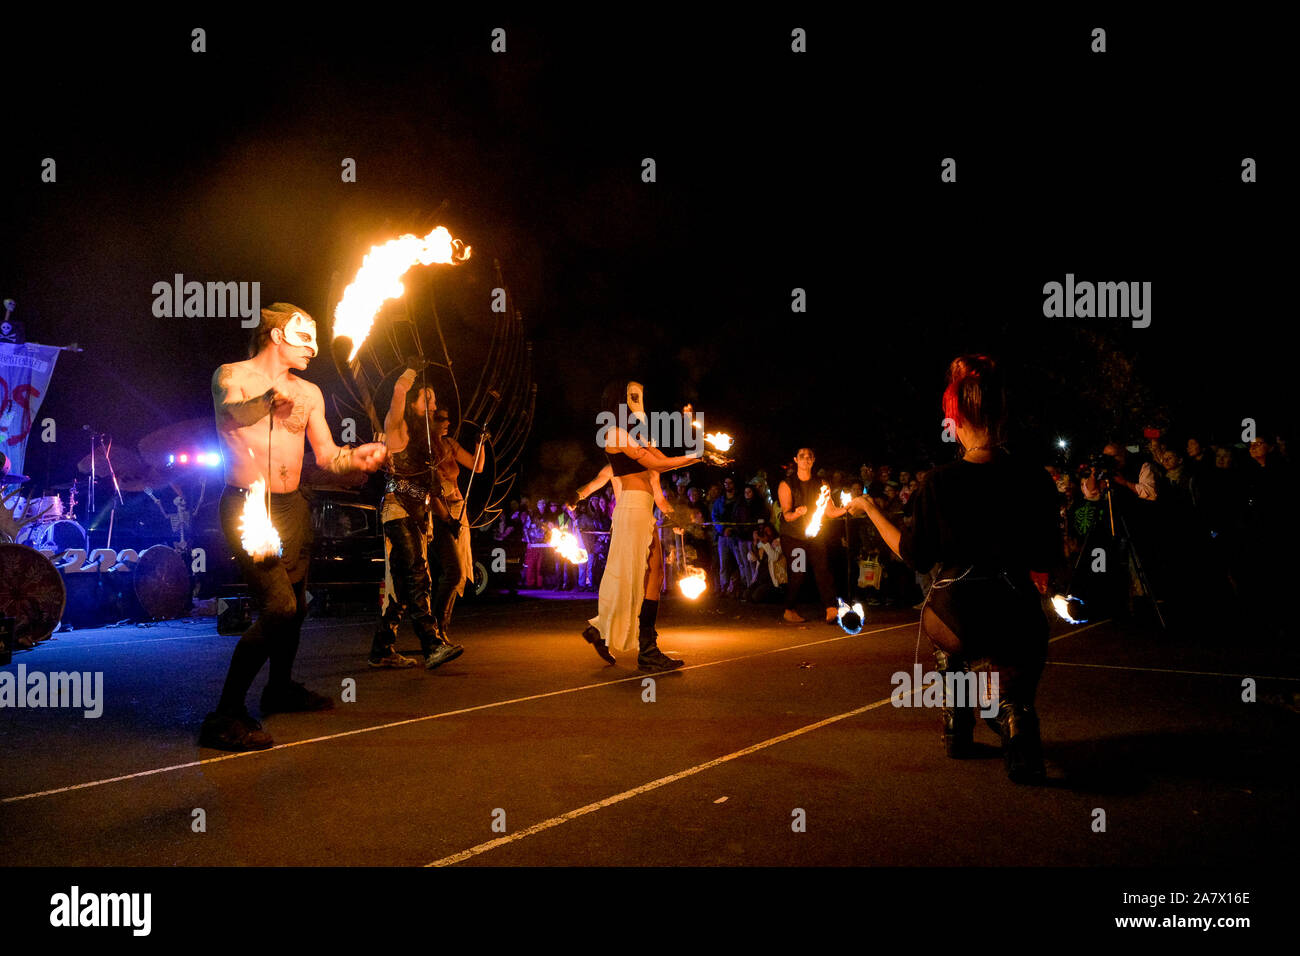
{"x":264,"y":415}
{"x":618,"y":624}
{"x":990,"y":522}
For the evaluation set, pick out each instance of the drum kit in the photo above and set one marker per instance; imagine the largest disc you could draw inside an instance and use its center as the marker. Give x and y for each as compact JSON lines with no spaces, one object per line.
{"x":49,"y":573}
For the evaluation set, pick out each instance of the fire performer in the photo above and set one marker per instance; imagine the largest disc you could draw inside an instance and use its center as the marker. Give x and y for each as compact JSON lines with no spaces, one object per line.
{"x":990,"y":522}
{"x":628,"y":568}
{"x":799,"y":496}
{"x":647,"y":636}
{"x":264,"y":414}
{"x":417,"y":510}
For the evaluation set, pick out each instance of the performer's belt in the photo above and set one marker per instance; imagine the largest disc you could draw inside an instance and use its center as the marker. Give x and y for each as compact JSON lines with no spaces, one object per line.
{"x":409,"y":489}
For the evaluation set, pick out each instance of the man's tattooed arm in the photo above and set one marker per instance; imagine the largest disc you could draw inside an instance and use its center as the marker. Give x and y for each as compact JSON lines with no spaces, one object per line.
{"x":241,"y":411}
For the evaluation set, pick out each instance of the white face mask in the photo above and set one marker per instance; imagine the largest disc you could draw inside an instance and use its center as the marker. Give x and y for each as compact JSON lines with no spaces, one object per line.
{"x":301,"y":331}
{"x":636,"y":400}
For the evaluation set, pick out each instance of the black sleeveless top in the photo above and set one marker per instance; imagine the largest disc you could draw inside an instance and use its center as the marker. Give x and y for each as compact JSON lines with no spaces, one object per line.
{"x":622,"y":464}
{"x":801,"y":493}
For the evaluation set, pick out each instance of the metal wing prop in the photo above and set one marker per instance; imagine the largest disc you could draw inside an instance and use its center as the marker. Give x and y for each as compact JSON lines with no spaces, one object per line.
{"x":503,"y":402}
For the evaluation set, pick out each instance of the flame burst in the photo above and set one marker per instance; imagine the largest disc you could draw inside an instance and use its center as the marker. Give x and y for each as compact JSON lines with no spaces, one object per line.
{"x":258,"y":534}
{"x":693,"y":582}
{"x":379,"y":279}
{"x":719,"y":440}
{"x":1061,"y":604}
{"x":566,"y":545}
{"x":815,"y":522}
{"x":850,"y":618}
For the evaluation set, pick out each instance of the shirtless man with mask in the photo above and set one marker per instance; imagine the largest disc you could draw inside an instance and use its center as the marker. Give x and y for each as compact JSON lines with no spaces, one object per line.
{"x":264,"y":415}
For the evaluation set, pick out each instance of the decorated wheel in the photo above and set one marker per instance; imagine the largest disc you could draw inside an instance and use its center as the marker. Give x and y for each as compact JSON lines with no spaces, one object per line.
{"x":31,"y":591}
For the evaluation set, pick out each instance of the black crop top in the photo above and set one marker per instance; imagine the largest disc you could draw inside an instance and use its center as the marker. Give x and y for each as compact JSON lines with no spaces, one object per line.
{"x":622,"y":464}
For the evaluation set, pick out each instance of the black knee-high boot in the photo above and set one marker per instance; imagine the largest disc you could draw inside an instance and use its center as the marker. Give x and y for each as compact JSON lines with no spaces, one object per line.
{"x":650,"y":658}
{"x":1017,"y":724}
{"x":958,"y":721}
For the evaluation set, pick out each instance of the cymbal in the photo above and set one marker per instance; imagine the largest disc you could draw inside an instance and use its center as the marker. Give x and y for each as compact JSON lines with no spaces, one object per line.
{"x":14,"y":479}
{"x":192,"y":436}
{"x":125,"y":462}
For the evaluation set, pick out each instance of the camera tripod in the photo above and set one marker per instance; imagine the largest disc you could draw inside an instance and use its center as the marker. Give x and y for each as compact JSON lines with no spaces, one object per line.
{"x":1132,"y":550}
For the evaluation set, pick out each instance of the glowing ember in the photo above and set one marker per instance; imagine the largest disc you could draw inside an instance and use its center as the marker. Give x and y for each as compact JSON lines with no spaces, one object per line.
{"x":719,"y":440}
{"x":1061,"y":604}
{"x":258,"y":535}
{"x":693,"y":582}
{"x":566,"y":545}
{"x":379,"y":279}
{"x":815,"y":522}
{"x":850,"y":618}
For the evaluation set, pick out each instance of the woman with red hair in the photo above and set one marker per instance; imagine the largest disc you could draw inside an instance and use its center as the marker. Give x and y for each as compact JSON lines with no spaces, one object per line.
{"x":990,"y":523}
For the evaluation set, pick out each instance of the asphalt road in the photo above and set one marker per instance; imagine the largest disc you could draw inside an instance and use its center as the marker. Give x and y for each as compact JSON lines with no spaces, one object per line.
{"x":776,"y":745}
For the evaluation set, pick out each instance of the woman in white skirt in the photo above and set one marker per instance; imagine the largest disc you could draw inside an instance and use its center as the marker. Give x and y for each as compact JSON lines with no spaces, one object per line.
{"x":619,"y":623}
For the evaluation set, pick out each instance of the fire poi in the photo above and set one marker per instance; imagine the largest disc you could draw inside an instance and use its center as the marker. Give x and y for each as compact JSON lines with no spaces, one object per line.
{"x":566,"y":545}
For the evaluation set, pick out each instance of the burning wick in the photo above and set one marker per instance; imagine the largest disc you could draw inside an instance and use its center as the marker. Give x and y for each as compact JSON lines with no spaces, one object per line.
{"x":693,"y":582}
{"x":719,"y":440}
{"x":1061,"y":604}
{"x":845,"y":498}
{"x":258,"y":534}
{"x":850,"y":618}
{"x":566,"y":545}
{"x":379,"y":279}
{"x":815,"y":522}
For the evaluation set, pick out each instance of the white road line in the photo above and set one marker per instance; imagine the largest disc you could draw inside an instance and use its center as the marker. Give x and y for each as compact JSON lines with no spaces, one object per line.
{"x":1077,"y":630}
{"x":1169,"y":670}
{"x":473,"y":851}
{"x":415,"y":720}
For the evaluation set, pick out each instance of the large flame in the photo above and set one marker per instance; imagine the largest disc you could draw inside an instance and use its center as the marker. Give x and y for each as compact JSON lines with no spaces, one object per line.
{"x":566,"y":545}
{"x":379,"y":279}
{"x":693,"y":582}
{"x":815,"y":522}
{"x":719,"y":440}
{"x":258,"y":534}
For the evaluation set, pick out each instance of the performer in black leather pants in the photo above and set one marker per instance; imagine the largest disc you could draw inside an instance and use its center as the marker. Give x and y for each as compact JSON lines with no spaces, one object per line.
{"x":411,"y":502}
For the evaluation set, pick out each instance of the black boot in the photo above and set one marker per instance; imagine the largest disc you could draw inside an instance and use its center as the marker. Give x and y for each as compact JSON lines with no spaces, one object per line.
{"x":436,"y":648}
{"x":650,"y":659}
{"x":592,"y":637}
{"x":383,"y":647}
{"x":1022,"y":746}
{"x":958,"y":722}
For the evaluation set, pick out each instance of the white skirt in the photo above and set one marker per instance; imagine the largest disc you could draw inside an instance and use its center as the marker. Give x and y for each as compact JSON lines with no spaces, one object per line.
{"x":623,"y":586}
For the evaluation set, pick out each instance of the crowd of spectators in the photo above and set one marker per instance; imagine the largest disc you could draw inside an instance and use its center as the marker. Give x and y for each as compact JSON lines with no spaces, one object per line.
{"x":1196,"y":515}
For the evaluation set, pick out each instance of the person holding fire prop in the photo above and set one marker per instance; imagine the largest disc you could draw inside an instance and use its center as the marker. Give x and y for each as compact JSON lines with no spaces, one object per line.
{"x":264,"y":415}
{"x":630,"y":569}
{"x":990,"y":523}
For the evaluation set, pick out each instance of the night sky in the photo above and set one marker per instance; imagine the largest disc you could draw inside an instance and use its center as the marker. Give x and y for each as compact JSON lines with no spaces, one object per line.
{"x":774,"y":171}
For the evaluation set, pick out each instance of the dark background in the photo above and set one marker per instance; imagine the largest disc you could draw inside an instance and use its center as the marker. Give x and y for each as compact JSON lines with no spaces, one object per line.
{"x":775,"y":171}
